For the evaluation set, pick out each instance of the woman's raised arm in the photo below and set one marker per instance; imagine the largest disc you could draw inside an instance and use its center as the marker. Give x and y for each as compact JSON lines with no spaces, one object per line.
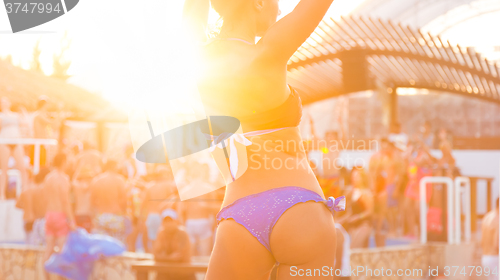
{"x":195,"y":18}
{"x":288,"y":34}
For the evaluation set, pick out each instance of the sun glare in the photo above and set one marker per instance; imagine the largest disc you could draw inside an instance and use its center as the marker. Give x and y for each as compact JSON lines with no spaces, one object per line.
{"x":160,"y":77}
{"x":142,"y":60}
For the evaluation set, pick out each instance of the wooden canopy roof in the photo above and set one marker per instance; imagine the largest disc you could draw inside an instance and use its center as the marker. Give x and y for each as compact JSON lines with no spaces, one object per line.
{"x":356,"y":54}
{"x":24,"y":87}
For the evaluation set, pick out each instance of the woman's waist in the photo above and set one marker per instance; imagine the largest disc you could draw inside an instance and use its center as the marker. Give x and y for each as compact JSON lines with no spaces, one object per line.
{"x":257,"y":181}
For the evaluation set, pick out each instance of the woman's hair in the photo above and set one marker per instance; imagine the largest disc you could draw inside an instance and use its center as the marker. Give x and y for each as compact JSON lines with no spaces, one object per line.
{"x":227,"y":9}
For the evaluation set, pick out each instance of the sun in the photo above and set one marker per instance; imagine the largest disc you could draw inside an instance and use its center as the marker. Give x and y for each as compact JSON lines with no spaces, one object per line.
{"x":137,"y":57}
{"x":164,"y":77}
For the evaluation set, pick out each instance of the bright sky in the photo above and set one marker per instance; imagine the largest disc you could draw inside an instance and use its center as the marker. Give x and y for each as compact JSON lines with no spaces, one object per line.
{"x":123,"y":48}
{"x":112,"y":40}
{"x":471,"y":25}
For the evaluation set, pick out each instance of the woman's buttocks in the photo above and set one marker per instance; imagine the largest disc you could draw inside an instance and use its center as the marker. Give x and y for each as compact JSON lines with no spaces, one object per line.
{"x":274,"y":162}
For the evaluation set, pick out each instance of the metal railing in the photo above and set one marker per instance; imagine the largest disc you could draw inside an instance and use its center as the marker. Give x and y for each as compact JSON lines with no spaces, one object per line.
{"x":455,"y":189}
{"x":31,"y":141}
{"x":423,"y":206}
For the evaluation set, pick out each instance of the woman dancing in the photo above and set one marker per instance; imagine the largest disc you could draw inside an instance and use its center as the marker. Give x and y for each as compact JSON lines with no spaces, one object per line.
{"x":275,"y":213}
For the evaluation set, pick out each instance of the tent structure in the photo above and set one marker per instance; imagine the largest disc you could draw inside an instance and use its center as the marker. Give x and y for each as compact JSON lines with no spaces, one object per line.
{"x":24,"y":87}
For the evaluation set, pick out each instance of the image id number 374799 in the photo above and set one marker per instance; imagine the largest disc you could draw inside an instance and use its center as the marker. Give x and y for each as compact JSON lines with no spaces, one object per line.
{"x":33,"y":8}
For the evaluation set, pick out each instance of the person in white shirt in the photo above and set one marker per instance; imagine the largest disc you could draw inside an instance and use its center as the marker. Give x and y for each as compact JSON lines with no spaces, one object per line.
{"x":10,"y":129}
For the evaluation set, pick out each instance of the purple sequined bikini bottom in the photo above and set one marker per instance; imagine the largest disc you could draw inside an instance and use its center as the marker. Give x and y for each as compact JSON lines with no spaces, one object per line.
{"x":259,"y":212}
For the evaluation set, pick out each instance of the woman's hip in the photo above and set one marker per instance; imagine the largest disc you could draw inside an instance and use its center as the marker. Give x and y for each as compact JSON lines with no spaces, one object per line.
{"x":304,"y":233}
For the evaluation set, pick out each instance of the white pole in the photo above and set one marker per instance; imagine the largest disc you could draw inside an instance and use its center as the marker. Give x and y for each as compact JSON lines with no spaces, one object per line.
{"x":467,"y":206}
{"x":423,"y":211}
{"x":423,"y":206}
{"x":465,"y":190}
{"x":28,"y":141}
{"x":458,"y":213}
{"x":468,"y":221}
{"x":36,"y":160}
{"x":450,"y":199}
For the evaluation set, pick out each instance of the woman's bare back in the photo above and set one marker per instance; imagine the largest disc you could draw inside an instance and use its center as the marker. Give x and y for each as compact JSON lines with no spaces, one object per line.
{"x":239,"y":74}
{"x":238,"y":80}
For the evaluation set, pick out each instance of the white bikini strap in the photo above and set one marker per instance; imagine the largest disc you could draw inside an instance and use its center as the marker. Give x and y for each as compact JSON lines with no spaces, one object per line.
{"x":230,"y":138}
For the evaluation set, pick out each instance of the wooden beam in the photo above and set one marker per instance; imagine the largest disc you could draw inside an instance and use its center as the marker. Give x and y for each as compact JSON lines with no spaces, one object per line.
{"x":423,"y":58}
{"x":394,"y":106}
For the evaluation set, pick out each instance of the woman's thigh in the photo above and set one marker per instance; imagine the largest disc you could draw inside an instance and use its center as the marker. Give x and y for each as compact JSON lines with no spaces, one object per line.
{"x":303,"y":241}
{"x":238,"y":255}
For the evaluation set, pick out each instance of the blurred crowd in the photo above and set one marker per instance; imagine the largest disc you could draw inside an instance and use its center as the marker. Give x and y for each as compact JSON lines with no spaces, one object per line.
{"x":383,"y":193}
{"x":127,"y":199}
{"x":139,"y":204}
{"x":77,"y":186}
{"x":133,"y":202}
{"x":16,"y":122}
